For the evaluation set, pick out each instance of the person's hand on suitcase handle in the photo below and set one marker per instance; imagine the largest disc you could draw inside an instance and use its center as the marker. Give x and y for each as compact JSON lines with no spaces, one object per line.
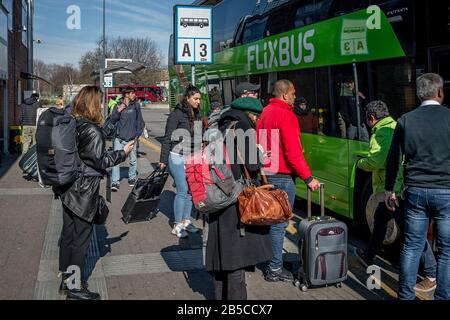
{"x":162,"y":166}
{"x":314,"y":185}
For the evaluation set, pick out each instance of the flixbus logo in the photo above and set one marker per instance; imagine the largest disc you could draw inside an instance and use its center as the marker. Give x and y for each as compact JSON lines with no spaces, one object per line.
{"x":282,"y":52}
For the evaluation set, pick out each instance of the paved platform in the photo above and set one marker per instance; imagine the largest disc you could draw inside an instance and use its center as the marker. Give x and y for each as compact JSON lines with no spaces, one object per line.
{"x":136,"y":261}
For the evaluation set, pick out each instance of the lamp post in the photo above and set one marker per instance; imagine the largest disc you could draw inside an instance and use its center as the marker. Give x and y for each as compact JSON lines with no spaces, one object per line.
{"x":30,"y":42}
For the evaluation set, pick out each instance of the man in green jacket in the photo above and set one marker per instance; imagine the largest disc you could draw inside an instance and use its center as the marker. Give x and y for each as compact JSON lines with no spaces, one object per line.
{"x":383,"y":126}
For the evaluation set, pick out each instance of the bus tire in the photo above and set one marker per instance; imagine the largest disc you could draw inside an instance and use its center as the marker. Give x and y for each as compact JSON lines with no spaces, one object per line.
{"x":201,"y":25}
{"x":361,"y":218}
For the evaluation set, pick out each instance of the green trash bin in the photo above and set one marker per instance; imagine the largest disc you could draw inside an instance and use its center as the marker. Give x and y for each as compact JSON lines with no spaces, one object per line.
{"x":15,"y":139}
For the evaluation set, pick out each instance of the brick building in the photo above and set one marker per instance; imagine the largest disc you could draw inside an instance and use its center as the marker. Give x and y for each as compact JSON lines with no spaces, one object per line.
{"x":15,"y":34}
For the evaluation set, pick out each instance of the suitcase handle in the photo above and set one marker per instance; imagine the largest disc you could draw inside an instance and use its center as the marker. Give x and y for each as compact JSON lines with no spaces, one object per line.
{"x":322,"y":200}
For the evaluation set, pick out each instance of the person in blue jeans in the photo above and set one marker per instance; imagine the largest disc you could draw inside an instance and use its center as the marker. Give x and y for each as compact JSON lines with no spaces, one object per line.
{"x":129,"y":124}
{"x":177,"y":145}
{"x":422,"y":139}
{"x":282,"y":169}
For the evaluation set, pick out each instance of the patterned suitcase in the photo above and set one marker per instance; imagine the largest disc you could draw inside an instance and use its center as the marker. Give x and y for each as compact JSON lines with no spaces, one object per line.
{"x":322,"y":249}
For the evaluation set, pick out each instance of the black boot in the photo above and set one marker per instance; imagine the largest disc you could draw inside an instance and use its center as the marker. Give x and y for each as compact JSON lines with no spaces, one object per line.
{"x":82,"y":294}
{"x":63,"y":286}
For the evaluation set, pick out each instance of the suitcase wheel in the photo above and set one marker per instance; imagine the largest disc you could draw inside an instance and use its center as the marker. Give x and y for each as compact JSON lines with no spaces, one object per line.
{"x":303,"y":287}
{"x":339,"y":285}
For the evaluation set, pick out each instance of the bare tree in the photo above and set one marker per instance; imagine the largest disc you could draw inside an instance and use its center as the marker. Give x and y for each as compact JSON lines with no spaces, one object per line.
{"x":142,"y":50}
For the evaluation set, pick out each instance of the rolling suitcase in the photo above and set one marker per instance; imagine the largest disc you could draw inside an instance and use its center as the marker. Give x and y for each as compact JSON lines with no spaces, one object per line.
{"x":143,"y":201}
{"x":322,"y":249}
{"x":28,"y":163}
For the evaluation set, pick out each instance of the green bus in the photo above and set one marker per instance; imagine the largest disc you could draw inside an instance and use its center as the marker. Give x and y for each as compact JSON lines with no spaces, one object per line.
{"x":335,"y":52}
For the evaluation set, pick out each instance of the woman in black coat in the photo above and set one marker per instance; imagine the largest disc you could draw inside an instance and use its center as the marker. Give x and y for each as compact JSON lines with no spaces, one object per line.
{"x":179,"y":143}
{"x":80,"y":200}
{"x":233,"y":248}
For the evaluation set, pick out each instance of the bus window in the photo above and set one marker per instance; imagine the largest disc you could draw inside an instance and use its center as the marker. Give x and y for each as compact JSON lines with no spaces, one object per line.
{"x":344,"y":94}
{"x":279,"y":21}
{"x":254,"y":30}
{"x":226,"y":20}
{"x":305,"y":86}
{"x":304,"y":14}
{"x":339,"y":7}
{"x":393,"y":82}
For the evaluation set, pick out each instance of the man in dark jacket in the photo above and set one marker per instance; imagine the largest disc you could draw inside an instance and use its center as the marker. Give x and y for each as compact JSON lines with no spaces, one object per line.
{"x":422,"y":136}
{"x":27,"y":119}
{"x":129,"y":124}
{"x":287,"y":164}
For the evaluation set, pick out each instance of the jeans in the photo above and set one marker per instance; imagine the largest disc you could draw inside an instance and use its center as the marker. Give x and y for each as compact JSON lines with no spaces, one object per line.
{"x":278,"y":231}
{"x":183,"y":200}
{"x":421,"y":205}
{"x":381,"y":220}
{"x":132,"y":157}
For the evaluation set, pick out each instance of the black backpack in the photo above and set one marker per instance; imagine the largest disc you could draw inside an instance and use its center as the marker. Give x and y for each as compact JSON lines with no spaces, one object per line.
{"x":57,"y":154}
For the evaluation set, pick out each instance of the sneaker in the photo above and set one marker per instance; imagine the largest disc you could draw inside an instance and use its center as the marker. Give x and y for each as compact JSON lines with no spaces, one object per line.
{"x":132,"y":182}
{"x":115,"y":187}
{"x":362,"y":258}
{"x":278,"y":275}
{"x":189,"y":227}
{"x":179,"y":231}
{"x":426,"y":285}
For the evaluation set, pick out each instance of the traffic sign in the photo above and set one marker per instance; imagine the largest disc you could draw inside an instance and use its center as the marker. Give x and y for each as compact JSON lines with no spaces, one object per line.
{"x":108,"y":80}
{"x":193,"y":34}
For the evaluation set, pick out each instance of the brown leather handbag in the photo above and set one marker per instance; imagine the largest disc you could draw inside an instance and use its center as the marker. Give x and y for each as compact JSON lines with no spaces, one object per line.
{"x":264,"y":205}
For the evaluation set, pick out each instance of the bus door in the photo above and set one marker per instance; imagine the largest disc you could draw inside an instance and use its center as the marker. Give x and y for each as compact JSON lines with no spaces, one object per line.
{"x":228,"y":86}
{"x":439,"y":62}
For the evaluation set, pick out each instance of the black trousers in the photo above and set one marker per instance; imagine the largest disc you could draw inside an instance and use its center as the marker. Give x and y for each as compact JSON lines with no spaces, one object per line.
{"x":381,"y":221}
{"x":74,"y":242}
{"x":230,"y":285}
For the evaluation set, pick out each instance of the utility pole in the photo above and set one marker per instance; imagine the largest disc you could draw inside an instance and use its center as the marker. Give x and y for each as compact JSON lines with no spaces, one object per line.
{"x":102,"y":64}
{"x":30,"y":42}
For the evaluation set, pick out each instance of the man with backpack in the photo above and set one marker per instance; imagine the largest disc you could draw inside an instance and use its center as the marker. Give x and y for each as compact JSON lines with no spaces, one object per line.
{"x":129,"y":124}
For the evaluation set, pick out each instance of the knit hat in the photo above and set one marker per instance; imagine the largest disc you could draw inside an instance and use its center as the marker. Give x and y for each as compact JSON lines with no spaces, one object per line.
{"x":248,"y":104}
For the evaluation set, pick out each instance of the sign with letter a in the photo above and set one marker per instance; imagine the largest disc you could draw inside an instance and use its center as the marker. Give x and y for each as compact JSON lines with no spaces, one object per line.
{"x":193,"y":34}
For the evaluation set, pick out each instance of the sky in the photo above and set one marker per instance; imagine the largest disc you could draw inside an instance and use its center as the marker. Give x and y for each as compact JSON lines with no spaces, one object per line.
{"x":137,"y":18}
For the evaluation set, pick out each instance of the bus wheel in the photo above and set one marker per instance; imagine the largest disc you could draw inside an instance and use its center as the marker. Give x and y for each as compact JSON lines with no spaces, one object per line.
{"x":185,"y":25}
{"x":361,"y":218}
{"x":201,"y":25}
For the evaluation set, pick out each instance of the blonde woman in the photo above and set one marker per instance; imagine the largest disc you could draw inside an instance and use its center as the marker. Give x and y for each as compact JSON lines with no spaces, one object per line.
{"x":80,"y":200}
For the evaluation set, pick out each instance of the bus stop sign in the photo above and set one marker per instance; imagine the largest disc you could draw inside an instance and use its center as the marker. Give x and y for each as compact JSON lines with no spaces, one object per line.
{"x":193,"y":34}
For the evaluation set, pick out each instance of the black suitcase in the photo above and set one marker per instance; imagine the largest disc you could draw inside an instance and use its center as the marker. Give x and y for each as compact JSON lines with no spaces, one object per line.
{"x":322,"y":249}
{"x":28,"y":162}
{"x":143,"y":201}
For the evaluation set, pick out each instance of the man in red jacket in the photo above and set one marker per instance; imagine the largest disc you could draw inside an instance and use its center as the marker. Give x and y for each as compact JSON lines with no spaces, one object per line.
{"x":279,"y":133}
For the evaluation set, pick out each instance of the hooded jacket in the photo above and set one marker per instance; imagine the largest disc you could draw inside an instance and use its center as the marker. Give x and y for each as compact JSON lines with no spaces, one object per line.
{"x":379,"y":145}
{"x":129,"y":123}
{"x":28,"y":111}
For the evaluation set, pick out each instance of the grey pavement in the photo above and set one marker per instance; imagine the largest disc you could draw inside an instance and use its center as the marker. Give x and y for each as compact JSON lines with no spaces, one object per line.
{"x":138,"y":261}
